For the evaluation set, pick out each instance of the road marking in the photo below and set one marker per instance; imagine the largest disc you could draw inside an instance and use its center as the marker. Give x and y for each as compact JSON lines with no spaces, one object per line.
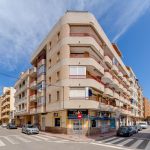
{"x":104,"y":140}
{"x":43,"y":138}
{"x":138,"y":142}
{"x":10,"y":140}
{"x":2,"y":143}
{"x":33,"y":138}
{"x":111,"y":146}
{"x":22,"y":139}
{"x":125,"y":142}
{"x":143,"y":144}
{"x":47,"y":136}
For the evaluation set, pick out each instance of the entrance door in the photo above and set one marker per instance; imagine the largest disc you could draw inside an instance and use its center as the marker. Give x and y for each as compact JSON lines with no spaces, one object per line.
{"x":104,"y":127}
{"x":43,"y":124}
{"x":77,"y":126}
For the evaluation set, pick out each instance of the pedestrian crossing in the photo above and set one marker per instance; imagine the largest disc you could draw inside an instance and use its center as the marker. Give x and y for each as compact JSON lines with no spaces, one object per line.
{"x":23,"y":138}
{"x":125,"y":143}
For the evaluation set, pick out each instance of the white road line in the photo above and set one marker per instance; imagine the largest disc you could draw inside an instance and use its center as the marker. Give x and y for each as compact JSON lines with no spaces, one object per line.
{"x":22,"y":139}
{"x":10,"y":140}
{"x":113,"y":141}
{"x":2,"y":143}
{"x":101,"y":141}
{"x":111,"y":146}
{"x":33,"y":138}
{"x":138,"y":142}
{"x":125,"y":142}
{"x":43,"y":138}
{"x":47,"y":136}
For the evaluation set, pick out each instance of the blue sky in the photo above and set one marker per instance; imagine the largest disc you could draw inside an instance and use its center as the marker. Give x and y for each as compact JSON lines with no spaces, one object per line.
{"x":24,"y":23}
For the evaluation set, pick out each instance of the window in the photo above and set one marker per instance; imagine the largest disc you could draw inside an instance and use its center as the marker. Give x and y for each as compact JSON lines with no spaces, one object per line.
{"x":93,"y":123}
{"x":20,"y":86}
{"x":41,"y":70}
{"x":76,"y":93}
{"x":77,"y":71}
{"x":58,"y":56}
{"x":49,"y":63}
{"x":58,"y":76}
{"x":41,"y":101}
{"x":50,"y":46}
{"x":41,"y":86}
{"x":49,"y":98}
{"x":58,"y":35}
{"x":49,"y":80}
{"x":115,"y":62}
{"x":58,"y":95}
{"x":57,"y":122}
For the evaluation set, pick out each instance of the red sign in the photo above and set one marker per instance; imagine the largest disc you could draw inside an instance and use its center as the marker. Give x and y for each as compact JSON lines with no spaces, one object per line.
{"x":79,"y":116}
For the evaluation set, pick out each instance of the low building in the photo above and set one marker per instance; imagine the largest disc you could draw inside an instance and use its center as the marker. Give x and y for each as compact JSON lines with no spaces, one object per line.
{"x":7,"y":105}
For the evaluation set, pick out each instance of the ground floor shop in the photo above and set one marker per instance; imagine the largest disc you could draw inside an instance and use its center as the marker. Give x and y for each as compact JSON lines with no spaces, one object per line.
{"x":67,"y":121}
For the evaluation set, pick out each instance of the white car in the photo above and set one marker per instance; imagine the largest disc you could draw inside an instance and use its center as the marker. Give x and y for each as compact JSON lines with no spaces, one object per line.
{"x":30,"y":129}
{"x":143,"y":125}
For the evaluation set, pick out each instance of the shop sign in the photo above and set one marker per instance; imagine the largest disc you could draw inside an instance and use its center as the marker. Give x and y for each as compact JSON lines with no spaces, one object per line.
{"x":73,"y":114}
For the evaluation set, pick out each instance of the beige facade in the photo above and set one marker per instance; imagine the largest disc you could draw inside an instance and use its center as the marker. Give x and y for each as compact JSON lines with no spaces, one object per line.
{"x":80,"y":71}
{"x":7,"y":105}
{"x":146,"y":109}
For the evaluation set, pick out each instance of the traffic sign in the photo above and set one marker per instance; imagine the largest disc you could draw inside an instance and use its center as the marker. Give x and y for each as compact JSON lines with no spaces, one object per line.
{"x":79,"y":116}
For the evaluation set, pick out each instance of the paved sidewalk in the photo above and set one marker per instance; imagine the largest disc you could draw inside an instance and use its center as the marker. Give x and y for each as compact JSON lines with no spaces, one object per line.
{"x":80,"y":138}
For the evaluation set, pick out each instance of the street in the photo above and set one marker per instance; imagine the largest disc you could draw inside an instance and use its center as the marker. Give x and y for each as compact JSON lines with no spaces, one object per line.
{"x":15,"y":140}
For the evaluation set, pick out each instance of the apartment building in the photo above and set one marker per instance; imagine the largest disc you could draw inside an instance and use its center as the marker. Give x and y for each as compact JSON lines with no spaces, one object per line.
{"x":146,"y":109}
{"x":25,"y":97}
{"x":76,"y":69}
{"x":7,"y":105}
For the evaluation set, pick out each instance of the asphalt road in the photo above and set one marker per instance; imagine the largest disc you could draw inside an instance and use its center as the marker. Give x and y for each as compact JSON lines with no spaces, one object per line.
{"x":15,"y":140}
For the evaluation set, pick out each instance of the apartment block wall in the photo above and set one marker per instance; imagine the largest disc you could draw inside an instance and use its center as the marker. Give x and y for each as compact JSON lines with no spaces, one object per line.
{"x":146,"y":108}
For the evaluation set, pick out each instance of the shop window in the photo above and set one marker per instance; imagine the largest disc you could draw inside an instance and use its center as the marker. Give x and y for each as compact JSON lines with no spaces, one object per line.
{"x":93,"y":123}
{"x":57,"y":122}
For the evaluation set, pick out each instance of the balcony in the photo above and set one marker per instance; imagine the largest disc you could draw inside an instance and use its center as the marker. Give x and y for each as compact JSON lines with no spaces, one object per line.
{"x":108,"y":61}
{"x":132,"y":89}
{"x":42,"y":62}
{"x":115,"y":84}
{"x":115,"y":69}
{"x":108,"y":92}
{"x":33,"y":85}
{"x":116,"y":95}
{"x":41,"y":78}
{"x":107,"y":78}
{"x":33,"y":72}
{"x":131,"y":79}
{"x":33,"y":110}
{"x":33,"y":97}
{"x":21,"y":112}
{"x":120,"y":75}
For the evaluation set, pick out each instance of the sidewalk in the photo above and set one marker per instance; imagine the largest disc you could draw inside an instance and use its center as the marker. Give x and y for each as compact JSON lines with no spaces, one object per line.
{"x":80,"y":138}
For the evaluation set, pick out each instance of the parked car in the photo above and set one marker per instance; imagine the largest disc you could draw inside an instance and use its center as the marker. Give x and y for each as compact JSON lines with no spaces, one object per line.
{"x":143,"y":125}
{"x":30,"y":129}
{"x":4,"y":125}
{"x":11,"y":126}
{"x":135,"y":129}
{"x":139,"y":128}
{"x":125,"y":131}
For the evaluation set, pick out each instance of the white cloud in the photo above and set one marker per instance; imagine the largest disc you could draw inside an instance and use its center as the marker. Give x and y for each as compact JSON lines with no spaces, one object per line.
{"x":24,"y":23}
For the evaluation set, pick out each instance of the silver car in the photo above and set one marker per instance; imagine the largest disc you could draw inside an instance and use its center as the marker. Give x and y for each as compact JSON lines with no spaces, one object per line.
{"x":30,"y":129}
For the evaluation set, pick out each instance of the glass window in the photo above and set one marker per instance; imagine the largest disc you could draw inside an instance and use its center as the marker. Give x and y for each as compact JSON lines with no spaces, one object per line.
{"x":93,"y":123}
{"x":58,"y":96}
{"x":78,"y":70}
{"x":41,"y":70}
{"x":57,"y":122}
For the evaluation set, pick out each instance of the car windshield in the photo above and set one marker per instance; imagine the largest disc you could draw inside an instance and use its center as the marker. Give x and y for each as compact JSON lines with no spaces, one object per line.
{"x":123,"y":129}
{"x":30,"y":126}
